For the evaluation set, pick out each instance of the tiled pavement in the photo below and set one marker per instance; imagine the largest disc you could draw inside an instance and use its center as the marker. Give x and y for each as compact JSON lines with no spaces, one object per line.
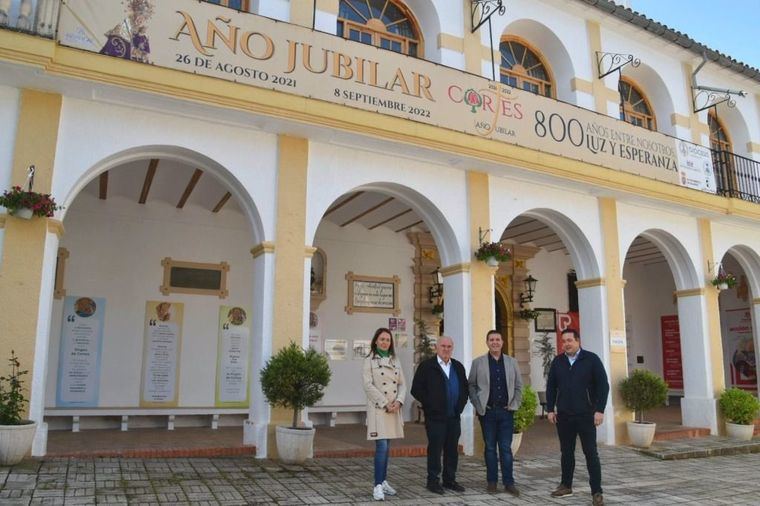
{"x":629,"y":478}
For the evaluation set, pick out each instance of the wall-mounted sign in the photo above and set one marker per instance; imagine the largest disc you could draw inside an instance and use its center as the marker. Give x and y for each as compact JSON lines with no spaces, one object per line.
{"x":233,"y":349}
{"x":372,"y":294}
{"x":161,"y":351}
{"x":200,"y":38}
{"x":672,"y":367}
{"x":81,"y":351}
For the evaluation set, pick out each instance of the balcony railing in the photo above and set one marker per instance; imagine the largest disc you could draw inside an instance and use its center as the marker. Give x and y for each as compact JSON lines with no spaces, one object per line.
{"x":38,"y":18}
{"x":737,"y":176}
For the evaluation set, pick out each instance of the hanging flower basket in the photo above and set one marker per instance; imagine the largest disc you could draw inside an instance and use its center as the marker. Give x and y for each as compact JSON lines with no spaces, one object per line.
{"x":25,"y":204}
{"x":492,"y":253}
{"x":724,"y":281}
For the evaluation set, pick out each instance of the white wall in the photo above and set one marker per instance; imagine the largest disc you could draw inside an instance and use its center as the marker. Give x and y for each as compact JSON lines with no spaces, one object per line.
{"x":648,"y":296}
{"x":379,"y":252}
{"x":116,"y":247}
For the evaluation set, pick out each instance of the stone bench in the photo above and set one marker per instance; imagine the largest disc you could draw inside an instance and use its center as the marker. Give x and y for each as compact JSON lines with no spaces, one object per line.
{"x":124,"y":413}
{"x":334,"y":410}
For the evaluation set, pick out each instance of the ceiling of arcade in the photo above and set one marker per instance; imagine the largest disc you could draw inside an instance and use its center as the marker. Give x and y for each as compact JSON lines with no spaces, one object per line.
{"x":163,"y":180}
{"x":373,"y":210}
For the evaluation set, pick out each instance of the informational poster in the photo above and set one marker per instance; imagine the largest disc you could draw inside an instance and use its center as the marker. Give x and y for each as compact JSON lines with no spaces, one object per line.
{"x":161,"y":349}
{"x":740,"y":348}
{"x":672,"y":368}
{"x":361,"y":348}
{"x":80,"y":353}
{"x":232,"y":358}
{"x":336,"y":349}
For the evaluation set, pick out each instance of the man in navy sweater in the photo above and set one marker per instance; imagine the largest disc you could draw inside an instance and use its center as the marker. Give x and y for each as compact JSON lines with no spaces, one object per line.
{"x":576,"y":395}
{"x":440,"y":385}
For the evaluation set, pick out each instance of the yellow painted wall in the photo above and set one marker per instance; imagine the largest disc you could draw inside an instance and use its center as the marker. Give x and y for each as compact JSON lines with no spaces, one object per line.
{"x":24,"y":242}
{"x":481,"y":275}
{"x":615,"y":311}
{"x":711,"y":307}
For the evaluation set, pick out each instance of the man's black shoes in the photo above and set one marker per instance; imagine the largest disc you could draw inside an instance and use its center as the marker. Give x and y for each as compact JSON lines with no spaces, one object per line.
{"x":456,"y":487}
{"x":435,"y":487}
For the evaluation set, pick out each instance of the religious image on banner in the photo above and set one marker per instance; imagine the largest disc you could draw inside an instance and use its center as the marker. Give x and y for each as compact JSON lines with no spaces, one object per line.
{"x":129,"y":39}
{"x":740,"y":348}
{"x":81,"y":350}
{"x":233,"y":357}
{"x":162,"y":343}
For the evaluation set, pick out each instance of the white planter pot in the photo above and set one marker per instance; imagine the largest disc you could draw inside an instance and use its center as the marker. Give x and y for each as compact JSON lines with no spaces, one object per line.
{"x":740,"y":432}
{"x":492,"y":262}
{"x":15,"y":442}
{"x":24,"y":213}
{"x":294,"y":446}
{"x":516,"y":440}
{"x":723,"y":286}
{"x":641,"y":434}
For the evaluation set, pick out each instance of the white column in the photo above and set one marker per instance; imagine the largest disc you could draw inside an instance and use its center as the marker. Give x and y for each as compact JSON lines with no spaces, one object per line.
{"x":42,"y":344}
{"x":457,"y":290}
{"x":756,"y":332}
{"x":698,"y":407}
{"x":595,"y":337}
{"x":255,"y":428}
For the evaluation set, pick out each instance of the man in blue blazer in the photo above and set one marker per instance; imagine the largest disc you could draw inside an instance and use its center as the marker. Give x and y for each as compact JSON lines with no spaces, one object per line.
{"x":576,"y":395}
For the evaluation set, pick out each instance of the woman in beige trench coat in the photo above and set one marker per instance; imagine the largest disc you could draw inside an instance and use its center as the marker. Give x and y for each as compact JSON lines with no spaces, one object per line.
{"x":385,"y":387}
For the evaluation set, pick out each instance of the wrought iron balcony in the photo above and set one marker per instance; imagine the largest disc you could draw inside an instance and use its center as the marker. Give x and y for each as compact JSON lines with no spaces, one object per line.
{"x":37,"y":18}
{"x":737,"y":176}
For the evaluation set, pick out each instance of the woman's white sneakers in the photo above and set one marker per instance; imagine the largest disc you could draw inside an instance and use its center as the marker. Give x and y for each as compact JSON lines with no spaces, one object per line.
{"x":378,"y":494}
{"x":387,"y":489}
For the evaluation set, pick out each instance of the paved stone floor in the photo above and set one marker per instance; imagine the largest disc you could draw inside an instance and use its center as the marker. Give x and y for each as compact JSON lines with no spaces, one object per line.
{"x":629,"y":478}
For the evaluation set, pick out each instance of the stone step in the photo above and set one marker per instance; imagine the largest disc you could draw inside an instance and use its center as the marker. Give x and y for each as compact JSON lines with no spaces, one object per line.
{"x":680,"y":432}
{"x":710,"y":446}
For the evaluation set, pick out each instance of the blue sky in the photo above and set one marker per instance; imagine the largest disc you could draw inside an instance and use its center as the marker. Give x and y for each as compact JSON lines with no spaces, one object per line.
{"x":730,"y":26}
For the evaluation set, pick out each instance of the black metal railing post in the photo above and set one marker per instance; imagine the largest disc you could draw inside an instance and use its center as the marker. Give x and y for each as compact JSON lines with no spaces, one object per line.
{"x":736,"y":176}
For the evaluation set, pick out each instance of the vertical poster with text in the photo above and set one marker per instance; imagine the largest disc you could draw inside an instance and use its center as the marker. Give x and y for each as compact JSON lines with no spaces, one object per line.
{"x":161,"y":349}
{"x":80,"y":353}
{"x":672,"y":369}
{"x":232,"y":358}
{"x":740,"y":349}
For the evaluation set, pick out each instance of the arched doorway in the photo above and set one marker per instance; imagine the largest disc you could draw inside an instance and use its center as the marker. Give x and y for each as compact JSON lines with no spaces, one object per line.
{"x":157,"y":317}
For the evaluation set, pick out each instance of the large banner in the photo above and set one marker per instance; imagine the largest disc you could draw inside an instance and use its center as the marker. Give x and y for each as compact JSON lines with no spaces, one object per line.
{"x":81,"y":351}
{"x":161,"y":350}
{"x":672,"y":366}
{"x":232,"y":364}
{"x":201,"y":38}
{"x":740,"y":348}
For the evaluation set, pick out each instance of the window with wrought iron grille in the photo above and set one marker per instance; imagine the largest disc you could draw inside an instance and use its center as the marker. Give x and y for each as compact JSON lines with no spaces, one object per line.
{"x":383,"y":23}
{"x":524,"y":68}
{"x":634,"y":107}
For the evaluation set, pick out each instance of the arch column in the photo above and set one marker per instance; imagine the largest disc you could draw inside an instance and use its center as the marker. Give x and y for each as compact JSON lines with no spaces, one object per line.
{"x":457,"y":285}
{"x":698,"y":406}
{"x":256,"y":426}
{"x":29,"y":253}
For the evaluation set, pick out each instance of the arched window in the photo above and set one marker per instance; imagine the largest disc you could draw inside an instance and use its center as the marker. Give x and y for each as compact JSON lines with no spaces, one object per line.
{"x":523,"y":68}
{"x":719,"y":140}
{"x":384,"y":23}
{"x":634,"y":107}
{"x":241,"y":5}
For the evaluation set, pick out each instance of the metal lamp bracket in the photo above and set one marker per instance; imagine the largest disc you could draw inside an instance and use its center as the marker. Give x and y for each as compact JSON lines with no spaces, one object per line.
{"x":704,"y":97}
{"x":483,"y":234}
{"x":482,"y":10}
{"x":607,"y":63}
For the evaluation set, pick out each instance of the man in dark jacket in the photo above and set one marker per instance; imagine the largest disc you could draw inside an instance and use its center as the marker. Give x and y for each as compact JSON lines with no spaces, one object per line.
{"x":440,"y":385}
{"x":576,"y":395}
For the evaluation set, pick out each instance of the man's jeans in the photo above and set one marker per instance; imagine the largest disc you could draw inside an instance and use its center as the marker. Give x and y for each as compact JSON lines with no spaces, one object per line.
{"x":569,"y":427}
{"x":382,"y":446}
{"x":498,"y":425}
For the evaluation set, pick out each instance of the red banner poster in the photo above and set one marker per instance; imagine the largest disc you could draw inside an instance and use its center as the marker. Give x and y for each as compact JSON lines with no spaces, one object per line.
{"x":569,"y":320}
{"x":671,"y":352}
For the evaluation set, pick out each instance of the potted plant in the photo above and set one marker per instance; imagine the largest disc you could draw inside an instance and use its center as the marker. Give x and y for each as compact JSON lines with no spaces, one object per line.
{"x":295,"y":379}
{"x":437,"y":310}
{"x":544,"y":349}
{"x":525,"y":416}
{"x":642,"y":390}
{"x":25,"y":204}
{"x":724,"y":280}
{"x":16,"y":434}
{"x":492,"y":253}
{"x":740,"y":408}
